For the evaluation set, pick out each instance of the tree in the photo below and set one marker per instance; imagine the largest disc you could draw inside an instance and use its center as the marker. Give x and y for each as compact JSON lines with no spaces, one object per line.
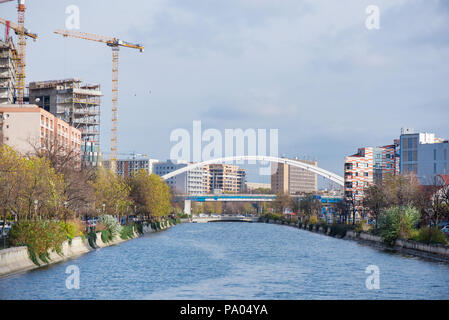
{"x":160,"y":200}
{"x":375,"y":200}
{"x":401,"y":190}
{"x":11,"y":181}
{"x":398,"y":222}
{"x":42,"y":192}
{"x":283,"y":201}
{"x":261,"y":191}
{"x":111,"y":191}
{"x":310,"y":206}
{"x":440,"y":206}
{"x":78,"y":192}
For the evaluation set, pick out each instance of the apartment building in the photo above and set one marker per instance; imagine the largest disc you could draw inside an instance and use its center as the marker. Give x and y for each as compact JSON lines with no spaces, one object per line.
{"x":30,"y":127}
{"x":368,"y":166}
{"x":224,"y":177}
{"x":77,"y":104}
{"x":294,"y":180}
{"x":126,"y":168}
{"x":188,"y":183}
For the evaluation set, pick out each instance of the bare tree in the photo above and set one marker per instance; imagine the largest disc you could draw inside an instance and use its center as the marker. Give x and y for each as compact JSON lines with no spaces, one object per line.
{"x":375,"y":201}
{"x":78,"y":192}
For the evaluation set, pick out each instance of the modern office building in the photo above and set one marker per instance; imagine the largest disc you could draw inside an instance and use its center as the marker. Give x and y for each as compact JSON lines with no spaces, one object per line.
{"x":77,"y":104}
{"x":224,"y":178}
{"x":294,"y":180}
{"x":424,"y":155}
{"x":126,"y":168}
{"x":188,"y":183}
{"x":8,"y":71}
{"x":29,"y":128}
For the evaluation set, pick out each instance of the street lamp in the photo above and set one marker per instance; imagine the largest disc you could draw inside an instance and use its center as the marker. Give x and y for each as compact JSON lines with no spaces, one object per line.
{"x":36,"y":202}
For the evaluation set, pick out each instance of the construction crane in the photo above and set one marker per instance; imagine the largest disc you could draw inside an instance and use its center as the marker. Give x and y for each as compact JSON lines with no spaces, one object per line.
{"x":15,"y":27}
{"x":133,"y":155}
{"x":115,"y":44}
{"x":21,"y":75}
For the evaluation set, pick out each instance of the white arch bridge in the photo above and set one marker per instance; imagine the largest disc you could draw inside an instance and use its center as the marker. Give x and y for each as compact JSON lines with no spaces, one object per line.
{"x":294,"y":163}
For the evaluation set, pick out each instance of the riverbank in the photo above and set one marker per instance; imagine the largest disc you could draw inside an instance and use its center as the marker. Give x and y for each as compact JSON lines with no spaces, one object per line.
{"x":433,"y":252}
{"x":17,"y":260}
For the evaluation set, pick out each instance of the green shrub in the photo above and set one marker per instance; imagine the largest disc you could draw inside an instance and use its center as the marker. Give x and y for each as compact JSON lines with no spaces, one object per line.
{"x":273,"y":216}
{"x":111,"y":224}
{"x":338,"y":230}
{"x":92,"y":239}
{"x":39,"y":237}
{"x":106,"y":236}
{"x":139,"y":228}
{"x":429,"y":235}
{"x":313,"y":220}
{"x":127,"y":232}
{"x":362,"y":227}
{"x":398,"y":222}
{"x":69,"y":229}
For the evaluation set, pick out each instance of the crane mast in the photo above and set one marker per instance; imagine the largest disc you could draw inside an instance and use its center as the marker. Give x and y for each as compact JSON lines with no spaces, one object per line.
{"x":21,"y":76}
{"x":115,"y":44}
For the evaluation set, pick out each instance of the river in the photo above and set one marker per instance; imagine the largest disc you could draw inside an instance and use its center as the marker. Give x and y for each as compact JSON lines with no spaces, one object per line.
{"x":234,"y":261}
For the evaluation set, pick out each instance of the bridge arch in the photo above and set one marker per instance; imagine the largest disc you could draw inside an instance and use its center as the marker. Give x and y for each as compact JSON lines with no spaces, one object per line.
{"x":322,"y":172}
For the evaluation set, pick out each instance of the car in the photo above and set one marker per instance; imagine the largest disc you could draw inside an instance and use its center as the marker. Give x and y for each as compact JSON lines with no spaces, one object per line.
{"x":7,"y":229}
{"x":443,"y":224}
{"x":446,"y":230}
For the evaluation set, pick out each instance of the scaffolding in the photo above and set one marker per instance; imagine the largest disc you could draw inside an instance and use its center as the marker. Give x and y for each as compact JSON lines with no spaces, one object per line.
{"x":8,"y":72}
{"x":77,"y":104}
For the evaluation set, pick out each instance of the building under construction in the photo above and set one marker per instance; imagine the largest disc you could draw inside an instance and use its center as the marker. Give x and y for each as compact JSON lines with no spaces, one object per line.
{"x":8,"y":72}
{"x":77,"y":104}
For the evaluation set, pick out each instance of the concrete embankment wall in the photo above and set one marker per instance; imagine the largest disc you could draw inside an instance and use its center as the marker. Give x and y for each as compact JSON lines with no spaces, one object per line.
{"x":429,"y":251}
{"x":16,"y":260}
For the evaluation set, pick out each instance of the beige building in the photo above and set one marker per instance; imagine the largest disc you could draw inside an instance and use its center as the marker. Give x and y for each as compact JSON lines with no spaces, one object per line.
{"x":224,"y":177}
{"x":25,"y":128}
{"x":294,"y":180}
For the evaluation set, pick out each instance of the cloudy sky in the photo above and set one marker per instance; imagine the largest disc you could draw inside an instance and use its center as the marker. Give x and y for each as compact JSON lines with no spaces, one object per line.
{"x":308,"y":68}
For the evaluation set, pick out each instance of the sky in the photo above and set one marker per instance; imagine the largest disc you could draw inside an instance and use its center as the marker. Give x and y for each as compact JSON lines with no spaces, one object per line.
{"x":309,"y":68}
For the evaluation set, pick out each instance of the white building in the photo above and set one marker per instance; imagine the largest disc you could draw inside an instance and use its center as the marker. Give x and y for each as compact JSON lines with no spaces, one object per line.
{"x":188,"y":183}
{"x":126,"y":168}
{"x":423,"y":154}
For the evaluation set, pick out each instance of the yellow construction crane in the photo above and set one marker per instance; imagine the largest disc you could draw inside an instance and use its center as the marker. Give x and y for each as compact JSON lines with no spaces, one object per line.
{"x":115,"y":44}
{"x":21,"y":34}
{"x":15,"y":27}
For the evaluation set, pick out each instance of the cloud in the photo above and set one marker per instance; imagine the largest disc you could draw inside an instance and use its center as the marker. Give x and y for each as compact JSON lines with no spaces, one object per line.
{"x":309,"y":68}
